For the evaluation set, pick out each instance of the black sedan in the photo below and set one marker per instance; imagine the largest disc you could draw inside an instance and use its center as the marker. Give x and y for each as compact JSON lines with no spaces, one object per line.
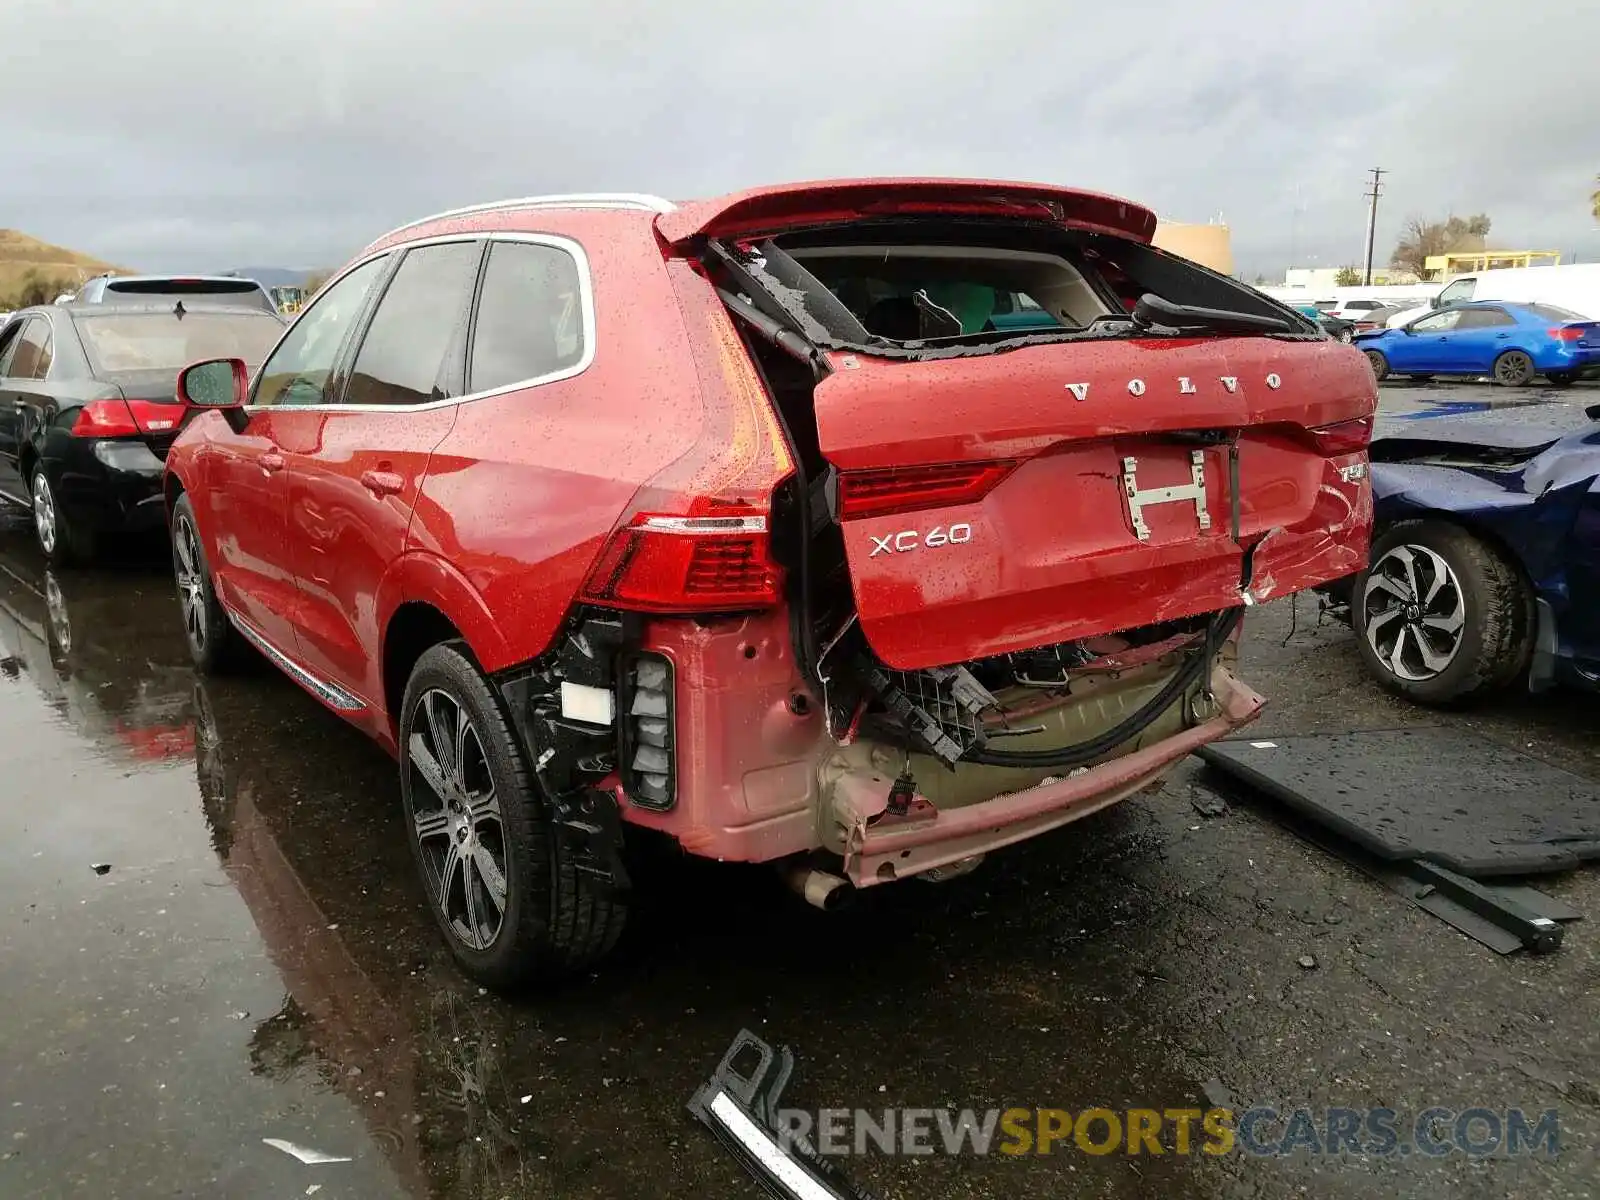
{"x":88,"y":409}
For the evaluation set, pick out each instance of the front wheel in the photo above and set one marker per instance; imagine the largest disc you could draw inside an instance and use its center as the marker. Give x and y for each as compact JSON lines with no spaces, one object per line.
{"x":502,"y":887}
{"x":62,"y":540}
{"x":1441,"y":616}
{"x":1513,"y":369}
{"x":214,"y":644}
{"x":1378,"y":363}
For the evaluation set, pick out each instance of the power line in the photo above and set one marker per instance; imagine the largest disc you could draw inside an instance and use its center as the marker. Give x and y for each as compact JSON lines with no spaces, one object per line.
{"x":1372,"y":216}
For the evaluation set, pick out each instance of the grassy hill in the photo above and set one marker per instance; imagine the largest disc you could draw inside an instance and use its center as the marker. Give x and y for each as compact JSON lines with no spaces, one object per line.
{"x":23,"y":257}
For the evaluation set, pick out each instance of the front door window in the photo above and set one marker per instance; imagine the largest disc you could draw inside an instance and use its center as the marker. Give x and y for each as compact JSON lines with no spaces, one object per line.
{"x":300,"y":370}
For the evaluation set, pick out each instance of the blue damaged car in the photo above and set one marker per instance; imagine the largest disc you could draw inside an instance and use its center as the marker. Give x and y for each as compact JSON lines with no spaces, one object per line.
{"x":1485,"y":563}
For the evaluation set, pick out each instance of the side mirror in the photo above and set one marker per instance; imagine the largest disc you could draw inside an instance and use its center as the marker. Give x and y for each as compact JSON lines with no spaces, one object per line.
{"x":215,"y":383}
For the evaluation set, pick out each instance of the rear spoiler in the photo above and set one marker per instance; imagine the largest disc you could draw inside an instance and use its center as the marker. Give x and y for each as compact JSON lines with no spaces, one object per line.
{"x":831,"y":202}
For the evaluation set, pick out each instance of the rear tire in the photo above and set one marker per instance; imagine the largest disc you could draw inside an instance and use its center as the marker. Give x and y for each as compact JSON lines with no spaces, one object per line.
{"x":1423,"y":378}
{"x":214,"y":644}
{"x":1441,"y":616}
{"x":1379,"y":364}
{"x":1513,"y":369}
{"x":63,"y":541}
{"x":499,"y":880}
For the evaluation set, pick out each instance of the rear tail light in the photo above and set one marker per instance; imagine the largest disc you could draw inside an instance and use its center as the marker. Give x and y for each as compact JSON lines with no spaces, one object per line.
{"x":905,"y":489}
{"x":647,"y":732}
{"x":696,"y":536}
{"x":104,"y":418}
{"x":1347,"y":437}
{"x":687,"y":564}
{"x":1567,"y":333}
{"x":126,"y":418}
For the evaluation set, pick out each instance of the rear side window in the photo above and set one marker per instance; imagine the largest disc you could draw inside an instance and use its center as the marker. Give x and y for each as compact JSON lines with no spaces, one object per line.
{"x":1552,"y":312}
{"x":1361,"y":306}
{"x":31,"y":357}
{"x":166,"y":341}
{"x":412,"y":351}
{"x":530,"y":316}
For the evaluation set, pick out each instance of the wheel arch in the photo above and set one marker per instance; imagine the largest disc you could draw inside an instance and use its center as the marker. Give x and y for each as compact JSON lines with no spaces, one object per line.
{"x":1484,"y":531}
{"x":425,"y":601}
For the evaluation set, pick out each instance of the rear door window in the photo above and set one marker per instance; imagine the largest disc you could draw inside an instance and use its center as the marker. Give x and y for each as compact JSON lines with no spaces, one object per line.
{"x":413,"y":348}
{"x":531,"y":323}
{"x":1484,"y":318}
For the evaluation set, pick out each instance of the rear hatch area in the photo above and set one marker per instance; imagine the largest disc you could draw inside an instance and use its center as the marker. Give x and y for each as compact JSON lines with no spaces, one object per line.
{"x":1042,"y":468}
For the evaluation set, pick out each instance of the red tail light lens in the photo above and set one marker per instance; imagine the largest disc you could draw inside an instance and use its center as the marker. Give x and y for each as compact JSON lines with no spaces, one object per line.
{"x":696,"y":537}
{"x":1347,"y":437}
{"x":687,"y":564}
{"x":905,"y":489}
{"x":1567,"y":333}
{"x":104,"y":418}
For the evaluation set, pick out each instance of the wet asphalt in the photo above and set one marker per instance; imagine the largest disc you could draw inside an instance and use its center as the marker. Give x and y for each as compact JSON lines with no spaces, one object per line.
{"x":254,"y":960}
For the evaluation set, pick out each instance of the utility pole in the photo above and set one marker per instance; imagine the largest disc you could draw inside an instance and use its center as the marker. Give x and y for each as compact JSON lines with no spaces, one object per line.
{"x":1372,"y":216}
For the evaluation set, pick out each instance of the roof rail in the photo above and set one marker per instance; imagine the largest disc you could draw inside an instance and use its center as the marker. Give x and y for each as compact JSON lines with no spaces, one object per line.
{"x":629,"y":200}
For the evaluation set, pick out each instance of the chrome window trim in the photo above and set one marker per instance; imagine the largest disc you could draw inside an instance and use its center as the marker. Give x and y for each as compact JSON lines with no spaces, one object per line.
{"x":635,"y":201}
{"x":555,"y":241}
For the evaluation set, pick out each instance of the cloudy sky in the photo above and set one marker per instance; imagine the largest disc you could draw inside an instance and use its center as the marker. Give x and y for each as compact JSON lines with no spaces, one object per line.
{"x":196,"y":134}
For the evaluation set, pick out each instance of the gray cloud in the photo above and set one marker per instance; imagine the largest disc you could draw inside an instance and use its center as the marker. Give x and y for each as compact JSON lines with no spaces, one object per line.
{"x":174,"y":134}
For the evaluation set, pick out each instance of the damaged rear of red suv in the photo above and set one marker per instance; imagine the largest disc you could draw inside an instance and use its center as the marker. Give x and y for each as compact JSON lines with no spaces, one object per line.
{"x":859,"y":527}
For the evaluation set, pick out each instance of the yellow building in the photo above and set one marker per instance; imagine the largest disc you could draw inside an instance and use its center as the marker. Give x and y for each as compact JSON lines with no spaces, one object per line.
{"x":1209,"y":245}
{"x":1464,"y":262}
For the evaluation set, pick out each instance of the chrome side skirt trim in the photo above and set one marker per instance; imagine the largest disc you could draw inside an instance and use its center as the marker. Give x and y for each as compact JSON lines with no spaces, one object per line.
{"x":330,"y":693}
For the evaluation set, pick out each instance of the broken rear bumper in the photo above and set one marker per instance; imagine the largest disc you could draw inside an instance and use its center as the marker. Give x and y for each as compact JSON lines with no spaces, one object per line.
{"x":892,"y":847}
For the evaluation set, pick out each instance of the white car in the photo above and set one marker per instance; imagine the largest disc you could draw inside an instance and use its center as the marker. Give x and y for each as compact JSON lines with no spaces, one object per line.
{"x":1356,"y":310}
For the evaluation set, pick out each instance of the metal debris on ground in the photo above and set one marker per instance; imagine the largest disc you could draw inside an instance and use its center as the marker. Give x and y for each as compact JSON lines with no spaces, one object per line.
{"x":305,"y":1154}
{"x":740,"y":1106}
{"x":100,"y":868}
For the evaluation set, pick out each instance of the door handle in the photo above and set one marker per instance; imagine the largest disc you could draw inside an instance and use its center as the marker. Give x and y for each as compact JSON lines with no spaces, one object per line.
{"x":382,"y":483}
{"x":272,"y":461}
{"x":1502,"y":336}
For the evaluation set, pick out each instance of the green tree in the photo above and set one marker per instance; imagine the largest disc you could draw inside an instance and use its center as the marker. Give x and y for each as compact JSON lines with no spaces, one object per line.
{"x":1421,"y":239}
{"x":1347,"y":277}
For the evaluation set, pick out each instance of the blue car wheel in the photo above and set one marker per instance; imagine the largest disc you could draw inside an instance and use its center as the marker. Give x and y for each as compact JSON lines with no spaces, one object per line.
{"x":1441,"y":616}
{"x":1513,"y":369}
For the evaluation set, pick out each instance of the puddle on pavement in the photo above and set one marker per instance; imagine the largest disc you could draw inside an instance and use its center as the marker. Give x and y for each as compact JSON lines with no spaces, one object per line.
{"x":257,"y":963}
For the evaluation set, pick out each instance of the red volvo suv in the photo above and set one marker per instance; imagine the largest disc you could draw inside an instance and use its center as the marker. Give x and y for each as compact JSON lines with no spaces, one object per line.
{"x":860,"y":527}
